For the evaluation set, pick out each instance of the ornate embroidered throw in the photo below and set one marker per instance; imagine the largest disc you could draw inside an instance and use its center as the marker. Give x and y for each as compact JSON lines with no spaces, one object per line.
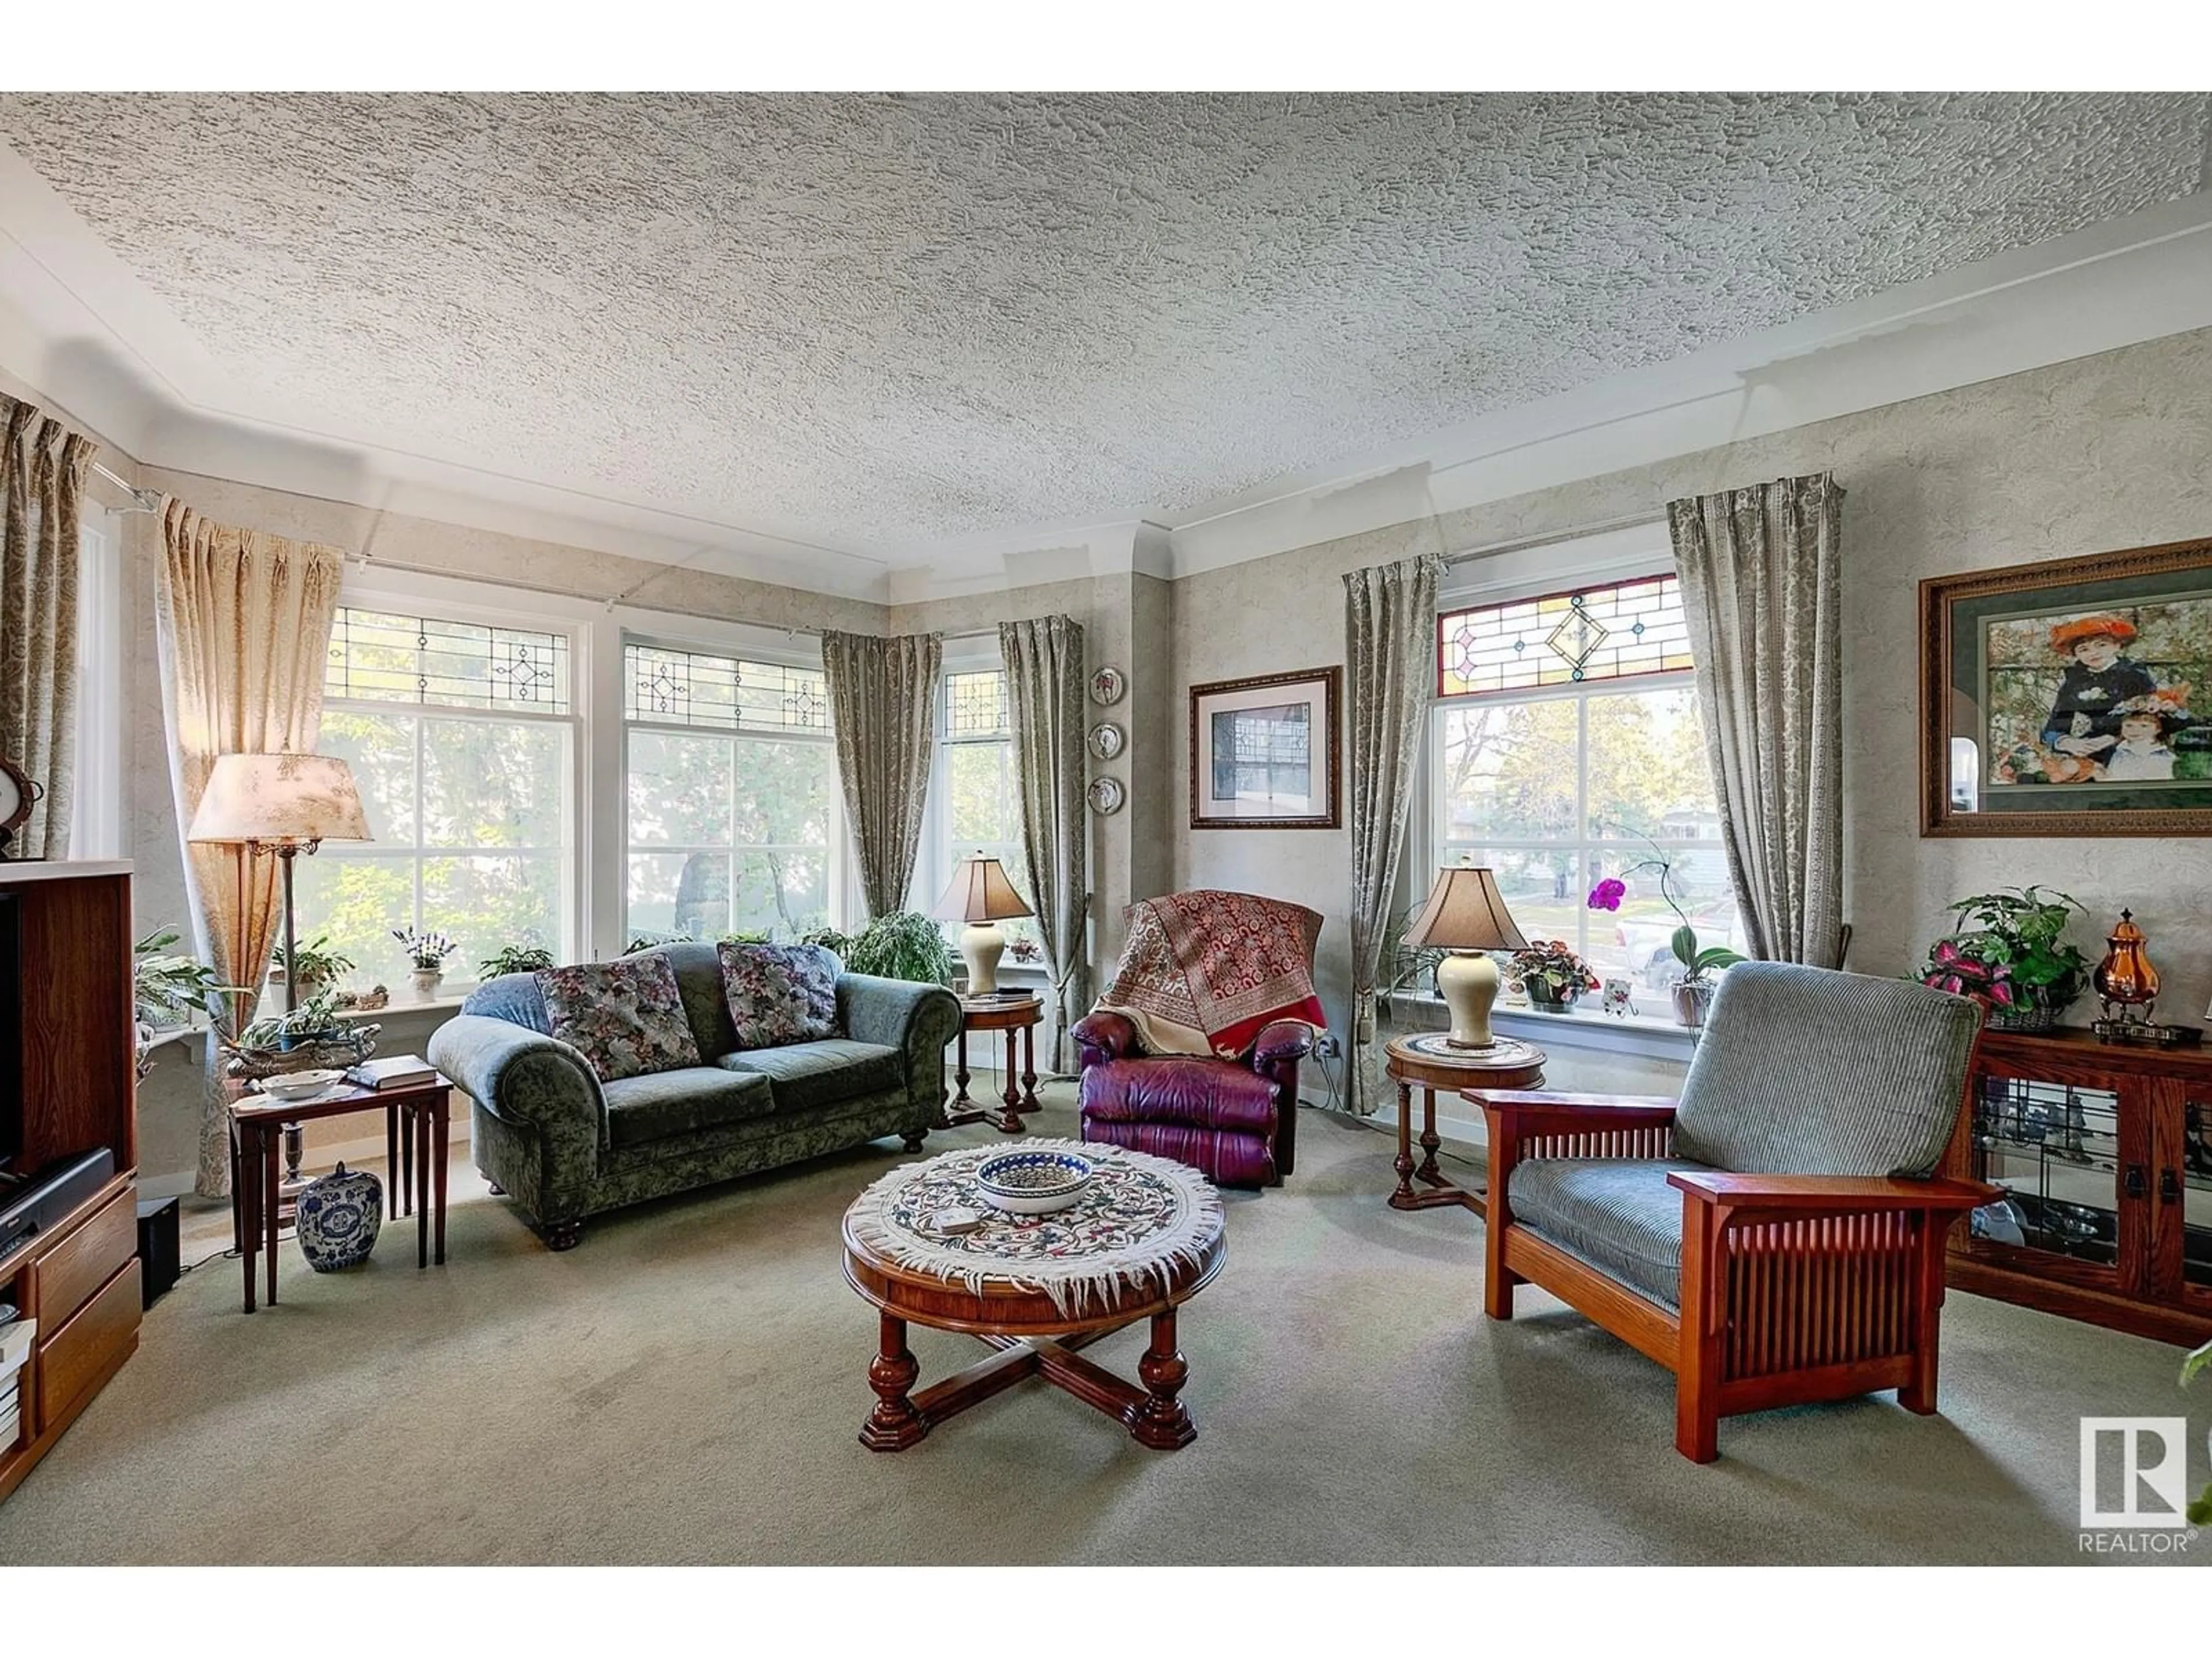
{"x":1206,"y":972}
{"x":1139,"y":1217}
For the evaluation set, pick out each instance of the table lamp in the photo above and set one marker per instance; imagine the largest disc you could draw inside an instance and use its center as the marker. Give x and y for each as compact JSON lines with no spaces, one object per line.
{"x":282,"y":804}
{"x":981,"y":896}
{"x":1464,"y":916}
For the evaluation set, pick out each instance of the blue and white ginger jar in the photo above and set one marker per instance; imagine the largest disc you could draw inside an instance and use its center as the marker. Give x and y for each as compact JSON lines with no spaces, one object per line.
{"x":338,"y":1218}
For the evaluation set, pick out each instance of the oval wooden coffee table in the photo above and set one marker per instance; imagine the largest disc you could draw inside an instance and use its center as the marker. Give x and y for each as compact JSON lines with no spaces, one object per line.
{"x":1144,"y":1239}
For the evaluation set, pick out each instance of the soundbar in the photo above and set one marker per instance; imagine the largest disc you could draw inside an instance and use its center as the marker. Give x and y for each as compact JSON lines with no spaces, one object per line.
{"x":42,"y":1202}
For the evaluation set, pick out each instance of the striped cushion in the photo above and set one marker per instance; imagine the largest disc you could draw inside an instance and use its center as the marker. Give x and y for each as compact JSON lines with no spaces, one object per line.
{"x":1803,"y":1071}
{"x":1619,"y":1214}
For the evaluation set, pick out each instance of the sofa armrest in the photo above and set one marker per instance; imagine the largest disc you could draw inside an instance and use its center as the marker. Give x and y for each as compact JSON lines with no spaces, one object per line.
{"x":1833,"y":1194}
{"x":519,"y":1075}
{"x":1101,"y":1037}
{"x":915,"y":1019}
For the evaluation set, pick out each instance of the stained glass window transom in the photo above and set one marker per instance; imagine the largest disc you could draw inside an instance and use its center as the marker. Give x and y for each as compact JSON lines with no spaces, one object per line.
{"x":689,"y":688}
{"x":379,"y":656}
{"x":975,"y":704}
{"x":1610,"y":633}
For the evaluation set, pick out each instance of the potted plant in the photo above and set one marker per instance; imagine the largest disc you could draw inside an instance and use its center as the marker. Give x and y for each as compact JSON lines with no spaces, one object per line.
{"x":167,"y":988}
{"x":316,"y":965}
{"x":426,"y":956}
{"x":2200,"y":1511}
{"x":2008,"y":952}
{"x":1693,"y":992}
{"x":310,"y":1035}
{"x":1552,"y":975}
{"x":515,"y":959}
{"x":898,"y":945}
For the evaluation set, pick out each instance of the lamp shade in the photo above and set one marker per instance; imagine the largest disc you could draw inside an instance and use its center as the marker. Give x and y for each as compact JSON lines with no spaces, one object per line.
{"x":1465,"y":912}
{"x":981,"y":892}
{"x":279,"y":799}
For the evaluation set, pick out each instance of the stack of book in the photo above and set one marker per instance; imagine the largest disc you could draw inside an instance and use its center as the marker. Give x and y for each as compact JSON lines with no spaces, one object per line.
{"x":14,"y":1353}
{"x":393,"y":1071}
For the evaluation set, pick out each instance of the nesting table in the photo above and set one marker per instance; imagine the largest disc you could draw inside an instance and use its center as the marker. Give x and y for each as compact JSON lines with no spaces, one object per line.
{"x":415,"y":1133}
{"x":1428,"y":1062}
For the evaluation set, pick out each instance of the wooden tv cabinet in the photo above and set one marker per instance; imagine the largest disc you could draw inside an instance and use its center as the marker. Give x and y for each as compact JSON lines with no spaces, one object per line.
{"x":79,"y":1278}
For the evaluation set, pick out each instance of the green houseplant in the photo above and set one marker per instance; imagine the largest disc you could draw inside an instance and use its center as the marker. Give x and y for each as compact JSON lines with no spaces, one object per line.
{"x":515,"y":959}
{"x":898,"y":945}
{"x":2200,"y":1512}
{"x":167,"y":988}
{"x":316,"y":965}
{"x":2008,"y":952}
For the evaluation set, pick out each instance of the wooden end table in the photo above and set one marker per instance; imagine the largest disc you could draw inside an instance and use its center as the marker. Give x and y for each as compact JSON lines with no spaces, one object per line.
{"x":1013,"y":1015}
{"x":984,"y":1295}
{"x":417,"y":1116}
{"x":1429,"y":1063}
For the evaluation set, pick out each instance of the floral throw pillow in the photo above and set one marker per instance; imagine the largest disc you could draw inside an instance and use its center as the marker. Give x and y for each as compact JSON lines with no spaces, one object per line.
{"x":779,"y":993}
{"x":625,"y":1017}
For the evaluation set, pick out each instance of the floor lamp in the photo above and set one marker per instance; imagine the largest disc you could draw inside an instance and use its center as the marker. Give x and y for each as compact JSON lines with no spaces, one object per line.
{"x":282,"y":804}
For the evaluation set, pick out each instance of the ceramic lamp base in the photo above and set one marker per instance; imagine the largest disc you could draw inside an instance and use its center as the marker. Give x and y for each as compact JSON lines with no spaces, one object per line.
{"x":1467,"y":982}
{"x":981,"y":944}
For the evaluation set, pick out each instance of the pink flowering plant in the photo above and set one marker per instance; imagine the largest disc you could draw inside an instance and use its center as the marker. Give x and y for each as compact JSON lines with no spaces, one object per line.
{"x":2008,"y":950}
{"x":1696,"y":964}
{"x":1558,"y":968}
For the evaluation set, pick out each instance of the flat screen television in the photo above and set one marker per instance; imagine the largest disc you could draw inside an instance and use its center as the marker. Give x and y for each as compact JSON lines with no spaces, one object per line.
{"x":11,"y":1034}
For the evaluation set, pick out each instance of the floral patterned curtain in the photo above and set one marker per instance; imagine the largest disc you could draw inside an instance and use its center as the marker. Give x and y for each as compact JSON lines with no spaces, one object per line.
{"x":1761,"y":594}
{"x":1389,"y":648}
{"x":883,"y":701}
{"x":41,"y":489}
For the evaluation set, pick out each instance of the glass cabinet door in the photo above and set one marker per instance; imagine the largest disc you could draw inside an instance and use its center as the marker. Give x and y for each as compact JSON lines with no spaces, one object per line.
{"x":2055,"y":1149}
{"x":2196,"y":1178}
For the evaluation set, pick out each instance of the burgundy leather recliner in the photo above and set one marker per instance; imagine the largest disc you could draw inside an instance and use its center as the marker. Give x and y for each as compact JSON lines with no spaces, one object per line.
{"x":1236,"y":1121}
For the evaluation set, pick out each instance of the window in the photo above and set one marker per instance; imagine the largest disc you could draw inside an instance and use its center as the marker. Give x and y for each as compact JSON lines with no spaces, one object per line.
{"x":1565,"y":746}
{"x":462,"y":736}
{"x":96,"y":824}
{"x":732,"y":822}
{"x":977,"y":796}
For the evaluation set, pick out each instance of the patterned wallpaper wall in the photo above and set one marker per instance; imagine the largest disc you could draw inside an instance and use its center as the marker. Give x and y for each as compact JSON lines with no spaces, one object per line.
{"x":2106,"y":451}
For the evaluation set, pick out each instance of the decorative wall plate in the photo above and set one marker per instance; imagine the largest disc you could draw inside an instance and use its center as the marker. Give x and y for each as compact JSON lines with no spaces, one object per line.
{"x":1106,"y":740}
{"x":1105,"y":795}
{"x":1106,"y":686}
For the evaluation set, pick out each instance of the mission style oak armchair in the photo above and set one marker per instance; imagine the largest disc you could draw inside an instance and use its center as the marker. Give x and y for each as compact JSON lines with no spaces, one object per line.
{"x":1774,"y":1237}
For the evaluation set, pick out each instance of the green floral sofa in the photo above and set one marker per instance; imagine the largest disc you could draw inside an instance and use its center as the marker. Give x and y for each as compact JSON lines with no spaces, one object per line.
{"x":566,"y":1145}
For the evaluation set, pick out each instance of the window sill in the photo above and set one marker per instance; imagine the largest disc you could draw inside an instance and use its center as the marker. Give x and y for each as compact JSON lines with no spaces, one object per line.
{"x":1592,"y":1029}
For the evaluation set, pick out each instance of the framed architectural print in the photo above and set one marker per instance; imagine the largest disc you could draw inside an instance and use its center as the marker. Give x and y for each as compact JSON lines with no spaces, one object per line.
{"x":2072,"y":697}
{"x":1264,"y":753}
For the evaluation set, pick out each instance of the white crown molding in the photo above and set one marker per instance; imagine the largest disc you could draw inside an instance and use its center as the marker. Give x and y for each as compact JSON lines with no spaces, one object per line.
{"x":78,"y":325}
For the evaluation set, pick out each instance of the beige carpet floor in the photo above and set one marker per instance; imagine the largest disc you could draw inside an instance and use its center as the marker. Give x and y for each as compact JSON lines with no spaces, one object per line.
{"x":686,"y":1387}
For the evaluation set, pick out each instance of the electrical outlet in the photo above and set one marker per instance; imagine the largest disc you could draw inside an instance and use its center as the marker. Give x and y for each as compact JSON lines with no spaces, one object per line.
{"x":1325,"y":1046}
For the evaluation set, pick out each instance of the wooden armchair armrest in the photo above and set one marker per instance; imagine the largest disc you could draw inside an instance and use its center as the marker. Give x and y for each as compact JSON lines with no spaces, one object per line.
{"x":1548,"y":1125}
{"x":1544,"y":1113}
{"x":1831,"y":1192}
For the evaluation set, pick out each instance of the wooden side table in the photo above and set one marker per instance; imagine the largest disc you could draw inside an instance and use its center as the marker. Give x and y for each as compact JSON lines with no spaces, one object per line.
{"x":1429,"y":1063}
{"x":257,"y":1136}
{"x":1014,"y":1015}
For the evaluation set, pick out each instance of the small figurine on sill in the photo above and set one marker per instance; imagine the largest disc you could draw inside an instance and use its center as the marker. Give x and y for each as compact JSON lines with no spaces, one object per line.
{"x":1617,"y":1001}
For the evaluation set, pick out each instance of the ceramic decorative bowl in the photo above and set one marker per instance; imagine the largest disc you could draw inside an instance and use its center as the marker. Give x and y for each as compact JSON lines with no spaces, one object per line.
{"x":1033,"y":1184}
{"x":300,"y":1085}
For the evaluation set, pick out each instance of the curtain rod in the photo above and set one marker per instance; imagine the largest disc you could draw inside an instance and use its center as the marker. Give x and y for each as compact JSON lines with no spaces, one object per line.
{"x":146,"y":501}
{"x":1523,"y":544}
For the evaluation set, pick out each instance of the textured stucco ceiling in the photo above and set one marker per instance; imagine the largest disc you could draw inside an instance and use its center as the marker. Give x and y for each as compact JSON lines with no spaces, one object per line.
{"x":874,"y":320}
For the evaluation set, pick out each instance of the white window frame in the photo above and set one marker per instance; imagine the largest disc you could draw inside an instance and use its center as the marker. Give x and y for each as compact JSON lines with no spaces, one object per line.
{"x":1592,"y":561}
{"x":750,"y":643}
{"x":450,"y":599}
{"x":938,"y":848}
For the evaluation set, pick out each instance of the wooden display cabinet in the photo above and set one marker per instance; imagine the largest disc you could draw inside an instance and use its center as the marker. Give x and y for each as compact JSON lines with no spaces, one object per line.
{"x":2106,"y":1154}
